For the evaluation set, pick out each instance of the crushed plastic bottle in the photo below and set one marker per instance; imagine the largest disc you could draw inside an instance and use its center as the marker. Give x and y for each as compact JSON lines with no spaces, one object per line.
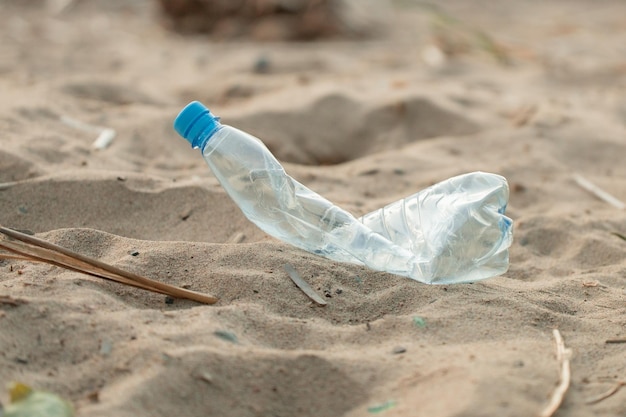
{"x":452,"y":232}
{"x":457,"y":226}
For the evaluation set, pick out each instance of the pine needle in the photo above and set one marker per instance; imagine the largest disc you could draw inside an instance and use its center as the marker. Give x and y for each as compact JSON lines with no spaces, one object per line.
{"x":599,"y":192}
{"x":303,"y":285}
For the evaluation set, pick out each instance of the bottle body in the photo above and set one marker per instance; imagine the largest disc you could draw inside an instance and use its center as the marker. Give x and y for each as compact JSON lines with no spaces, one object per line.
{"x":452,"y":232}
{"x":289,"y":211}
{"x":458,"y":224}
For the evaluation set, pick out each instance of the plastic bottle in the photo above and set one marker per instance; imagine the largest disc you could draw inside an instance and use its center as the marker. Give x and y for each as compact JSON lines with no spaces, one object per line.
{"x":452,"y":232}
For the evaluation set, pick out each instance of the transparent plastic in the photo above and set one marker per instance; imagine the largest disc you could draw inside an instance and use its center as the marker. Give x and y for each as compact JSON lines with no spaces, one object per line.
{"x":453,"y":232}
{"x":459,"y":225}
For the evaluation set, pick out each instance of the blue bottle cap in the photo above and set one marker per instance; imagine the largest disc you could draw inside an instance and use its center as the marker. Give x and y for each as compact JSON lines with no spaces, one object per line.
{"x":196,"y":123}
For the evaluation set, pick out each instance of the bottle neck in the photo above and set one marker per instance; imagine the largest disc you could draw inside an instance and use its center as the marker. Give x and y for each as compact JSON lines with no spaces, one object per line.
{"x":197,"y":124}
{"x":202,"y":138}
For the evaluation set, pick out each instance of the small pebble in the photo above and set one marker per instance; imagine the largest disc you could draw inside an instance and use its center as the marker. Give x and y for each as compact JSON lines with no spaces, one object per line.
{"x":169,"y":300}
{"x":134,"y":253}
{"x":262,"y":65}
{"x":226,"y":335}
{"x":419,"y":322}
{"x":106,"y":347}
{"x":94,"y":396}
{"x":398,"y":350}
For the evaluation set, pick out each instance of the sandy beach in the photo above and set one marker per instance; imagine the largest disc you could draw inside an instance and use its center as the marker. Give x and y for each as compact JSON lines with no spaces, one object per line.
{"x":534,"y":91}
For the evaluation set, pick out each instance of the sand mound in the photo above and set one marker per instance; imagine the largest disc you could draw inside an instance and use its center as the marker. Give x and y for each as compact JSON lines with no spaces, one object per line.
{"x":363,"y":123}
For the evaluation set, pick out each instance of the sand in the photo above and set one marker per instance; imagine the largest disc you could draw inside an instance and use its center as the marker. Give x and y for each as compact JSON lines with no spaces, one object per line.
{"x":362,"y":122}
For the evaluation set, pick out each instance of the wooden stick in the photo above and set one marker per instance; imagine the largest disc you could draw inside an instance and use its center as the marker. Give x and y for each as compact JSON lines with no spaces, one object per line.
{"x":44,"y":251}
{"x":563,"y":356}
{"x":16,"y":257}
{"x":35,"y":254}
{"x":42,"y":255}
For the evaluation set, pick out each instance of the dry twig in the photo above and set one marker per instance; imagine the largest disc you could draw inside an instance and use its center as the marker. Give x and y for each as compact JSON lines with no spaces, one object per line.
{"x":25,"y":247}
{"x":563,"y":356}
{"x":616,"y":387}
